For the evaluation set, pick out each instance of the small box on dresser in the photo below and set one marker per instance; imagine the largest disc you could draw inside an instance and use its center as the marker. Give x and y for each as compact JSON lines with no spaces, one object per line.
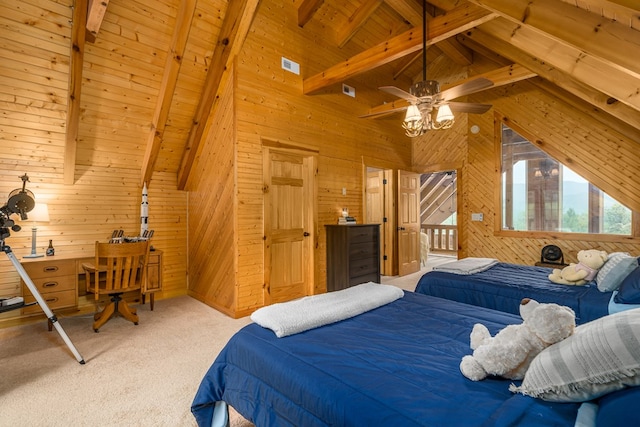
{"x":353,"y":255}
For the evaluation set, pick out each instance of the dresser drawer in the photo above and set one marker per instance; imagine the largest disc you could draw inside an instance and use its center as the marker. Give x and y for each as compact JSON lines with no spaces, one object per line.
{"x":361,"y":267}
{"x":371,"y":277}
{"x":363,"y":250}
{"x":53,"y":268}
{"x":54,"y":300}
{"x":362,"y":234}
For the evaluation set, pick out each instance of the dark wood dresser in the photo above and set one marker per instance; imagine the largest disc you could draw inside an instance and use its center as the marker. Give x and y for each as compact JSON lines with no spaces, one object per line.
{"x":353,"y":255}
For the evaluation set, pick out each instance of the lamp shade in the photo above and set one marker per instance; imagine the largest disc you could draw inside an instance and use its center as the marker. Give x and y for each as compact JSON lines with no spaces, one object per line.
{"x":444,"y":113}
{"x":413,"y":114}
{"x":40,"y":213}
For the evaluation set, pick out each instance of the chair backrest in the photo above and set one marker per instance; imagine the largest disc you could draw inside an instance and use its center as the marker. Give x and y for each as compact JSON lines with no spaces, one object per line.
{"x":124,"y":265}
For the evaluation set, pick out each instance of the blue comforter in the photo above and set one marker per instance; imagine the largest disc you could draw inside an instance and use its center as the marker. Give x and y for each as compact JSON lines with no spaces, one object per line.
{"x":397,"y":365}
{"x":503,"y":286}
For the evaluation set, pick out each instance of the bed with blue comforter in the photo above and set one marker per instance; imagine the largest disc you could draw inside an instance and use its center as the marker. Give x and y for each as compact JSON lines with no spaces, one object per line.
{"x":396,"y":365}
{"x":502,"y":287}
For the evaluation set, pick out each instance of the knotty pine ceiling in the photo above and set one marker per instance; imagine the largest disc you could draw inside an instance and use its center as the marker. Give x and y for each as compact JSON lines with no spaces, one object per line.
{"x":148,"y":73}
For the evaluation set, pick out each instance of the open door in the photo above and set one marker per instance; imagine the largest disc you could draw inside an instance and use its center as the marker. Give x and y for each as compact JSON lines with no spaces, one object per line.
{"x":408,"y":222}
{"x":380,"y":208}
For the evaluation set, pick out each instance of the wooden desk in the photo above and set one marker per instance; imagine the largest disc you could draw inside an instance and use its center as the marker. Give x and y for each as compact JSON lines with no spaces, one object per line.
{"x":57,"y":277}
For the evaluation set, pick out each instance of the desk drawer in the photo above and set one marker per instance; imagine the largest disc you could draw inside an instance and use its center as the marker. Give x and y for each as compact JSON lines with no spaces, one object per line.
{"x":48,"y":269}
{"x":54,"y":300}
{"x":53,"y":284}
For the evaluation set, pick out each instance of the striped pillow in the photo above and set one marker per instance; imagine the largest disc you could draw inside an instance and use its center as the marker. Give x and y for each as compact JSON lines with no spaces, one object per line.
{"x":600,"y":357}
{"x":618,"y":266}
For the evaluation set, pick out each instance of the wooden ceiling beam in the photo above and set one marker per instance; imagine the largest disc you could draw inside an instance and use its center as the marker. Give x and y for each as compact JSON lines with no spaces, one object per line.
{"x":95,"y":14}
{"x":237,"y":20}
{"x":560,"y":78}
{"x":412,"y":12}
{"x":356,"y":21}
{"x":307,"y":9}
{"x":76,"y":62}
{"x":500,"y":77}
{"x":167,"y":87}
{"x":580,"y":65}
{"x":440,"y":28}
{"x":457,"y":52}
{"x":603,"y":38}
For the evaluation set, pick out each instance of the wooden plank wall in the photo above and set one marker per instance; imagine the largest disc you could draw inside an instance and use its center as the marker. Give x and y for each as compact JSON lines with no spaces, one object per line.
{"x":118,"y":90}
{"x":270,"y":107}
{"x":567,"y":131}
{"x":212,"y":220}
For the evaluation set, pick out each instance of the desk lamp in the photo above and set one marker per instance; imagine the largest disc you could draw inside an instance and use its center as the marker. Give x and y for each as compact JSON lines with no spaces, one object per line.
{"x":40,"y":213}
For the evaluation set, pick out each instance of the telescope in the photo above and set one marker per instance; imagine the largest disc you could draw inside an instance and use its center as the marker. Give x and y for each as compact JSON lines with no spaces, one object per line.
{"x":20,"y":202}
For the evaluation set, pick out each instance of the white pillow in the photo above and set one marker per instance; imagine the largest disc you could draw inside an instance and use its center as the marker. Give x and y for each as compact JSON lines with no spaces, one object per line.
{"x":618,"y":266}
{"x":602,"y":356}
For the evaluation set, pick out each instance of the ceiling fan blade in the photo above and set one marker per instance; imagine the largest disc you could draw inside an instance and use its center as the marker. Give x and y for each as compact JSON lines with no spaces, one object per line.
{"x":469,"y":107}
{"x":381,"y":113}
{"x":399,"y":93}
{"x":467,"y":88}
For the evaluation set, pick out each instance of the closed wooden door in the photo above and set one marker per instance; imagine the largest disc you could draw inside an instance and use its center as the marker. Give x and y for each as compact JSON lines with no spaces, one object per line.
{"x":408,"y":222}
{"x":289,"y":224}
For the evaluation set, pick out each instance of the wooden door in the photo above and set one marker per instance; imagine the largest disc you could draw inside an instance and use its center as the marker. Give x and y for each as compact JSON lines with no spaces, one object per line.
{"x":375,"y":198}
{"x":408,"y":222}
{"x":289,"y":224}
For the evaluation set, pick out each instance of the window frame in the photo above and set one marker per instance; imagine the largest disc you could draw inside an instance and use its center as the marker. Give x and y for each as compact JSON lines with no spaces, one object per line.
{"x":557,"y":235}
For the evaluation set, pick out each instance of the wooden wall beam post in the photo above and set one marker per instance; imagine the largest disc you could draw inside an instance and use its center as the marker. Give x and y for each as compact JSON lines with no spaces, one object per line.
{"x":167,"y":87}
{"x":235,"y":27}
{"x":76,"y":61}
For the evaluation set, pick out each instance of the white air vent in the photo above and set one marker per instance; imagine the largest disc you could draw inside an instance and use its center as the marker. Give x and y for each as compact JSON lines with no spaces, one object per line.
{"x":290,"y":65}
{"x":348,"y":90}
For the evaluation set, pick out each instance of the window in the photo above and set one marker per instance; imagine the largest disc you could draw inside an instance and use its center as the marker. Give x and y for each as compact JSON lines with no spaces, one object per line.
{"x":541,"y":194}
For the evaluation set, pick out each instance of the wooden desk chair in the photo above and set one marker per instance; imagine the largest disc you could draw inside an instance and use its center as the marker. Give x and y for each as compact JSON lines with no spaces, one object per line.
{"x":121,"y":267}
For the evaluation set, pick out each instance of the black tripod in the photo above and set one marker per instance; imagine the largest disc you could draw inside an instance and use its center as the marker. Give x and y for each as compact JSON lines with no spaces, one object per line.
{"x":43,"y":305}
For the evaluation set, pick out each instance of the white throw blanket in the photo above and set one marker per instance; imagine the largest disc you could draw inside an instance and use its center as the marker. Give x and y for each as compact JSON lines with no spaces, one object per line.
{"x":467,"y":265}
{"x":296,"y":316}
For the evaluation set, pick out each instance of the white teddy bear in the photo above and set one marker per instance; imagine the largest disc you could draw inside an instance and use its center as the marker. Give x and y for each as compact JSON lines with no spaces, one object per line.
{"x":509,"y":353}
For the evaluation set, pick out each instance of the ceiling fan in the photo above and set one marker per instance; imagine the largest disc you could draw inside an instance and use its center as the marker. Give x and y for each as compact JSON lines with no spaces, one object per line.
{"x":425,"y":96}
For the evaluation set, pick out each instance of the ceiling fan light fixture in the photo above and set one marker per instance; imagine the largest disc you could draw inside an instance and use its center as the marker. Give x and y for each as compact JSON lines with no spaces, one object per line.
{"x":413,"y":122}
{"x":425,"y":88}
{"x":444,"y":118}
{"x":444,"y":113}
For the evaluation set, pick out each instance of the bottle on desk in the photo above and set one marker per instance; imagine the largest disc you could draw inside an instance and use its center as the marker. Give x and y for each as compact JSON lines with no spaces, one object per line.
{"x":50,"y":250}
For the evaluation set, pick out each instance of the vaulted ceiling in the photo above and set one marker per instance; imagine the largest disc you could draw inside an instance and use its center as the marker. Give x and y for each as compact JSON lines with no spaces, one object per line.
{"x":589,"y":48}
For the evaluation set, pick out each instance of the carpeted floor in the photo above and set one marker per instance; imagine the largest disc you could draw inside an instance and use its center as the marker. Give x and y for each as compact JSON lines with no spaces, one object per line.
{"x":144,"y":375}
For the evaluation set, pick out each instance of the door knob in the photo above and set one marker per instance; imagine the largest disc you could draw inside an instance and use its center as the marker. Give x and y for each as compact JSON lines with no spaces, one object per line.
{"x":305,"y":234}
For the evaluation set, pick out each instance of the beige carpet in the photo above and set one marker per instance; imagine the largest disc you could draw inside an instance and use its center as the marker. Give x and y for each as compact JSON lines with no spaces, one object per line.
{"x":144,"y":375}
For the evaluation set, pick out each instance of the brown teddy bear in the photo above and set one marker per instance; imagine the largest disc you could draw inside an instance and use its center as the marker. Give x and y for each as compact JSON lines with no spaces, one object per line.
{"x":589,"y":262}
{"x":509,"y":353}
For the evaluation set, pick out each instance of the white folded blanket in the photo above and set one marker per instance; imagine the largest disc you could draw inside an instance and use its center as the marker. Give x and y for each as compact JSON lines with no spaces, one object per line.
{"x":467,"y":265}
{"x":296,"y":316}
